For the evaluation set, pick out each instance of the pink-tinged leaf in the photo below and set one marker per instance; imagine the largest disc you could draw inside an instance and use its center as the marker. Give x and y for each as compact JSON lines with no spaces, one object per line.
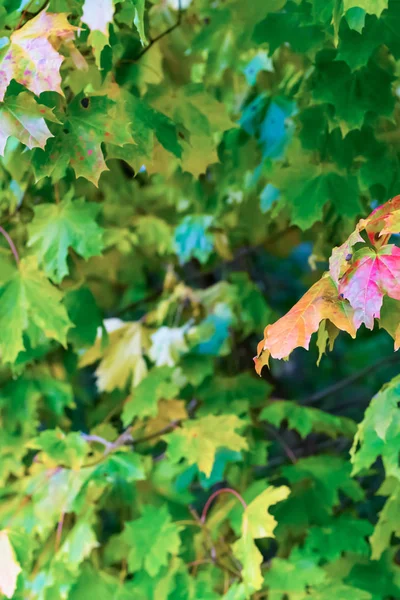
{"x":22,"y":118}
{"x":382,"y":222}
{"x":341,"y":255}
{"x":31,"y":59}
{"x":376,"y":223}
{"x":371,"y":276}
{"x":294,"y":330}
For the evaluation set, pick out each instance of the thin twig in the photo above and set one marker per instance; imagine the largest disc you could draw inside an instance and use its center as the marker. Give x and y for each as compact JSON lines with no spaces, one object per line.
{"x":217,"y":493}
{"x":288,"y":451}
{"x":336,"y":387}
{"x":163,"y":33}
{"x":59,"y":531}
{"x":11,"y":244}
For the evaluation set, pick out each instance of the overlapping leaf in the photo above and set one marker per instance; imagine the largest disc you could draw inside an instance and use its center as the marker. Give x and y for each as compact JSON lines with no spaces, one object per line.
{"x":363,"y":270}
{"x":31,"y":58}
{"x":58,"y":227}
{"x":29,"y":308}
{"x":24,"y":119}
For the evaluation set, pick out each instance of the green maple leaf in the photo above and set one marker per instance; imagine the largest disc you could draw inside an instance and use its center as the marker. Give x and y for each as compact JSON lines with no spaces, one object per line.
{"x":138,"y":19}
{"x":145,"y":396}
{"x":307,"y":188}
{"x":57,"y":227}
{"x":294,"y":25}
{"x":22,"y":118}
{"x":378,"y":433}
{"x":292,"y":577}
{"x":152,"y":540}
{"x":387,"y":525}
{"x":354,"y":94}
{"x":96,"y":583}
{"x":29,"y":304}
{"x":84,"y":314}
{"x":147,"y":124}
{"x":90,"y":122}
{"x":251,"y":559}
{"x":355,"y":18}
{"x":325,"y":483}
{"x":341,"y":534}
{"x":373,"y":7}
{"x":339,"y":591}
{"x":197,"y":441}
{"x":60,"y":448}
{"x":78,"y":545}
{"x":306,"y":419}
{"x":356,"y":48}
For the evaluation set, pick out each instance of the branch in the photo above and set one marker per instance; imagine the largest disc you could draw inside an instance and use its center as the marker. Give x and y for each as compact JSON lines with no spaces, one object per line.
{"x":11,"y":244}
{"x":126,"y":436}
{"x":288,"y":451}
{"x":336,"y":387}
{"x":162,"y":34}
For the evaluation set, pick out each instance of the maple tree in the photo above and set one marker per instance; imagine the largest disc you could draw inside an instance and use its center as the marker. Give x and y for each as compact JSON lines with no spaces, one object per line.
{"x":175,"y":176}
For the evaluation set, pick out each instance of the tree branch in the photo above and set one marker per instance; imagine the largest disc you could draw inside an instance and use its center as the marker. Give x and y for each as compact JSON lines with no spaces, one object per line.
{"x":160,"y":35}
{"x":340,"y":385}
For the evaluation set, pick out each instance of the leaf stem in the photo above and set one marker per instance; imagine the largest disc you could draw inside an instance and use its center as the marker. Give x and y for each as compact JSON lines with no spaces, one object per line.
{"x":10,"y":243}
{"x":217,"y":493}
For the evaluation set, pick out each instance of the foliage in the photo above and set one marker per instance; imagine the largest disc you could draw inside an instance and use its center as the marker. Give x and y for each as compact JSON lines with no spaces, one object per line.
{"x":173,"y":177}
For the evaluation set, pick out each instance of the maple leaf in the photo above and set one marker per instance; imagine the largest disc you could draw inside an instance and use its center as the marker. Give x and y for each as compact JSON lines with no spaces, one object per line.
{"x":98,"y":14}
{"x":22,"y":118}
{"x":167,"y":411}
{"x":30,"y":304}
{"x":295,"y":328}
{"x":306,"y":419}
{"x":9,"y":567}
{"x":387,"y":525}
{"x":90,"y":122}
{"x":341,"y":255}
{"x":58,"y":448}
{"x":390,"y":319}
{"x":31,"y":59}
{"x":373,"y":7}
{"x":58,"y":227}
{"x":245,"y":550}
{"x":168,"y":343}
{"x":198,"y":441}
{"x":256,"y":517}
{"x":151,"y":539}
{"x":372,"y":274}
{"x":378,"y":433}
{"x":122,"y":358}
{"x":145,"y":396}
